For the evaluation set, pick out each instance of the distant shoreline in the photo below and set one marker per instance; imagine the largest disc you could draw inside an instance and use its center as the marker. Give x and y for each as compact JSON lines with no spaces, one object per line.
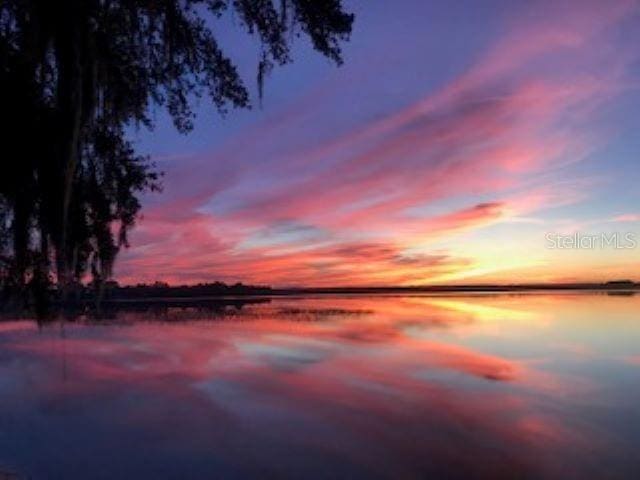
{"x":178,"y":294}
{"x":465,"y":288}
{"x":218,"y":297}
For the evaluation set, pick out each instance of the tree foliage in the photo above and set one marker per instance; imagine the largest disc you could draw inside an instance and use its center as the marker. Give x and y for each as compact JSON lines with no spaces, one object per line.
{"x":76,"y":74}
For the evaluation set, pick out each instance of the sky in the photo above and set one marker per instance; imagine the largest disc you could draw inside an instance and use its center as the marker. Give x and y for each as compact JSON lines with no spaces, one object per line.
{"x":458,"y":143}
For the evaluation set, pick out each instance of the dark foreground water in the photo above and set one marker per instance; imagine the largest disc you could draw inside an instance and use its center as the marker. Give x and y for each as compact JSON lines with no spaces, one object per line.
{"x":524,"y":386}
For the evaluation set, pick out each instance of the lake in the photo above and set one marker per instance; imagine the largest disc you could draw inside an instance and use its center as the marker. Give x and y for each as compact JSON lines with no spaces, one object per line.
{"x":477,"y":386}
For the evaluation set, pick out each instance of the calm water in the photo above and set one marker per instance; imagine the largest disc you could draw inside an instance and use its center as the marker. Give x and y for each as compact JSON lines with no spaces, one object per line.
{"x":526,"y":386}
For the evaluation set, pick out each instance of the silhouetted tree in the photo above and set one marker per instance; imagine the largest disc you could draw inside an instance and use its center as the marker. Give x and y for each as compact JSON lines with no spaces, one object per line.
{"x":74,"y":74}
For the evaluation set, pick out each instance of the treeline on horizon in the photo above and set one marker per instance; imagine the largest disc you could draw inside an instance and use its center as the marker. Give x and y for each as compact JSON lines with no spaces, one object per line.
{"x":159,"y":289}
{"x":113,"y":291}
{"x":94,"y":294}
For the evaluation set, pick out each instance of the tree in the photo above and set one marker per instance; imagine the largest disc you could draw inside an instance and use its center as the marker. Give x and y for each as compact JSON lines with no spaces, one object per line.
{"x":74,"y":74}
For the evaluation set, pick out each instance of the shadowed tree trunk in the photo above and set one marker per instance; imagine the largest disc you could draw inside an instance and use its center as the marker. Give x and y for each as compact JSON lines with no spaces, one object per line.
{"x":70,"y":92}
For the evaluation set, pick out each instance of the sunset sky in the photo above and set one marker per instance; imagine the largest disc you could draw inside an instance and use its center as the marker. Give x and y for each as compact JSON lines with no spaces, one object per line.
{"x":453,"y":139}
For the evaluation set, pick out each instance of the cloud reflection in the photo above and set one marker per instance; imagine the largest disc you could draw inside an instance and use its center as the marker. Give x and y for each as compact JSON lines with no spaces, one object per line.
{"x":383,"y":387}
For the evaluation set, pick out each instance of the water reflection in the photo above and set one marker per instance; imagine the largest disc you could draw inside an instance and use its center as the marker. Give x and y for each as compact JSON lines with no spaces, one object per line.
{"x":513,"y":386}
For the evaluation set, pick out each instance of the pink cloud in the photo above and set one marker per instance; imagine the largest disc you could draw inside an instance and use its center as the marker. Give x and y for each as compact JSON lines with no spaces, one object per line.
{"x":627,"y":218}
